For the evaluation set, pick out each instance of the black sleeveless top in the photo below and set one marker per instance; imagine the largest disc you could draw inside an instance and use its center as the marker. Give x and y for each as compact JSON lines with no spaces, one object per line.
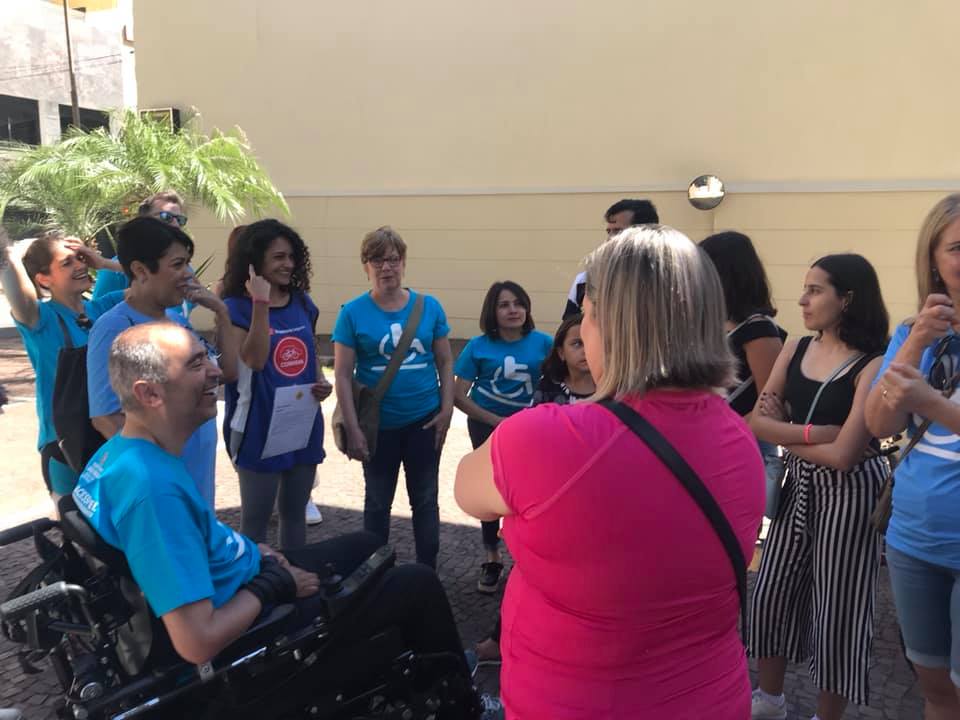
{"x":835,"y":400}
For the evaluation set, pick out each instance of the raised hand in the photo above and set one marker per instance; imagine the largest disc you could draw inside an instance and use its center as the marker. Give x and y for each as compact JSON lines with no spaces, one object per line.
{"x":904,"y":388}
{"x":258,"y":288}
{"x":199,"y":295}
{"x":934,"y":320}
{"x":87,"y":255}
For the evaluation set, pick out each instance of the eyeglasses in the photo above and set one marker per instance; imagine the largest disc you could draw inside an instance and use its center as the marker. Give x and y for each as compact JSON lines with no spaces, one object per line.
{"x":943,"y":373}
{"x":171,"y":218}
{"x":83,"y":322}
{"x":379,"y":262}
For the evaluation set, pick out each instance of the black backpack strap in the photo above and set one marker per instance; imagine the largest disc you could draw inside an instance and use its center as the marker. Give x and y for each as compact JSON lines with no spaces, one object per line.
{"x":662,"y":448}
{"x":67,"y":341}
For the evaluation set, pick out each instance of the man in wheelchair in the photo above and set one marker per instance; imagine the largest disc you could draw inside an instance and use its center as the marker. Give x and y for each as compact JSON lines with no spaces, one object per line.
{"x":328,"y":630}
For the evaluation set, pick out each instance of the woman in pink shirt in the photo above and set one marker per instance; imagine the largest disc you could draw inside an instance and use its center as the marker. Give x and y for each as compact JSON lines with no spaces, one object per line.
{"x":623,"y":602}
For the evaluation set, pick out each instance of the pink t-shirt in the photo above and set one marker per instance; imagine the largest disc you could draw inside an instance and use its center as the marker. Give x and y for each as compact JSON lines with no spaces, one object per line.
{"x":623,"y":602}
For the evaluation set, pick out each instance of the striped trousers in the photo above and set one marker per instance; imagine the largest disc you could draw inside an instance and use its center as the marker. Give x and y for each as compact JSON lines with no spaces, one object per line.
{"x":815,"y":592}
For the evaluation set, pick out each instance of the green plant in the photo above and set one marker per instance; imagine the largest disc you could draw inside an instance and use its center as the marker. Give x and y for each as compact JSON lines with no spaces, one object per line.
{"x":90,"y":181}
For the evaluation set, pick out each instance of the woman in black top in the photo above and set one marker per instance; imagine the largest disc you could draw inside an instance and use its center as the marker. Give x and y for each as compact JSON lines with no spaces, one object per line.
{"x":814,"y":593}
{"x":754,"y":337}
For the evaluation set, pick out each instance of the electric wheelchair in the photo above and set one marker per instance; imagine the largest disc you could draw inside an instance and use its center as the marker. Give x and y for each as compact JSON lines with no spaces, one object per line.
{"x":80,"y":611}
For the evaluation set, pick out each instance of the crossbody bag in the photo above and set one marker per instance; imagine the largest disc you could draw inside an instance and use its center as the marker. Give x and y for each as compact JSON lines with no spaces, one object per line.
{"x":366,"y":401}
{"x":692,"y":483}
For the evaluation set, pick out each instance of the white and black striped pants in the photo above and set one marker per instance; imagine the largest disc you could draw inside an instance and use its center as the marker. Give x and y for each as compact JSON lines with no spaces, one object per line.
{"x":814,"y":595}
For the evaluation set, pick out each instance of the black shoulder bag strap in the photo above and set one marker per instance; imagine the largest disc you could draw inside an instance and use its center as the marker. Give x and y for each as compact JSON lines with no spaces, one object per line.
{"x":67,"y":340}
{"x":662,"y":448}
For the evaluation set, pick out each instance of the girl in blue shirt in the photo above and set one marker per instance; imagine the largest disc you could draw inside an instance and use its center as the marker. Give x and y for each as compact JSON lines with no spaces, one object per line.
{"x":923,"y":537}
{"x":265,"y":289}
{"x":496,"y":375}
{"x":58,"y":267}
{"x":415,"y":412}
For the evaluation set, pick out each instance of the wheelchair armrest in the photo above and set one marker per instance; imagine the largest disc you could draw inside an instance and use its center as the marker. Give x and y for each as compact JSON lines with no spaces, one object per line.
{"x":16,"y":608}
{"x":258,"y":635}
{"x":344,"y":594}
{"x":27,"y":530}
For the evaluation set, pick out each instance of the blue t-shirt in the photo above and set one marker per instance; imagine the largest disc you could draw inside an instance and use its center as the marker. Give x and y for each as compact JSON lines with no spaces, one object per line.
{"x":504,"y":374}
{"x":43,"y":343}
{"x":109,"y":281}
{"x":373,"y":333}
{"x":292,"y":361}
{"x":200,"y":452}
{"x":141,"y":500}
{"x":925,"y":522}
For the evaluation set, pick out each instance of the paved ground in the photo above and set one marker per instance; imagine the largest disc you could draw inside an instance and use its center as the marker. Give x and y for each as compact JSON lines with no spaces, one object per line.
{"x":340,"y":494}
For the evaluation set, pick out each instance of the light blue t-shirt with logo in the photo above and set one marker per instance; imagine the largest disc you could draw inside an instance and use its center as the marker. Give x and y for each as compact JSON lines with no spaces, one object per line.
{"x":43,"y":343}
{"x":200,"y":452}
{"x":504,"y":374}
{"x":925,"y":522}
{"x":141,"y":500}
{"x":373,"y":333}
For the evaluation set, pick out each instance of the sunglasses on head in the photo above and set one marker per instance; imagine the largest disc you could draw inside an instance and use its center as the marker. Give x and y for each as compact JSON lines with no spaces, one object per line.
{"x":943,"y":373}
{"x":169,"y":218}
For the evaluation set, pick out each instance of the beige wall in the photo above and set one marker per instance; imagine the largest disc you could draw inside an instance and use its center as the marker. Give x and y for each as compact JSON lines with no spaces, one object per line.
{"x":493,"y":135}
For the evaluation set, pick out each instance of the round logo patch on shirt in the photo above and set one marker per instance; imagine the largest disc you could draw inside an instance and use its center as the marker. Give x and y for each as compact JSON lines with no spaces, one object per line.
{"x":290,"y":356}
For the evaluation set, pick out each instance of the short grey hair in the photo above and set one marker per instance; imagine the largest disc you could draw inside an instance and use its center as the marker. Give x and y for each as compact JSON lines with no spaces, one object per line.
{"x":135,"y":355}
{"x":659,"y":308}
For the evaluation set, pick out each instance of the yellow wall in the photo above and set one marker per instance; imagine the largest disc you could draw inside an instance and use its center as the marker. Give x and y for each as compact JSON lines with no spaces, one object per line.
{"x":493,"y":135}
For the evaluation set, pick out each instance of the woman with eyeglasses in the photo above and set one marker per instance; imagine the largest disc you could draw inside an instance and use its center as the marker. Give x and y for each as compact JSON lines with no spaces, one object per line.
{"x":415,"y":411}
{"x":814,"y":595}
{"x":265,"y":288}
{"x":923,"y":537}
{"x":45,"y":286}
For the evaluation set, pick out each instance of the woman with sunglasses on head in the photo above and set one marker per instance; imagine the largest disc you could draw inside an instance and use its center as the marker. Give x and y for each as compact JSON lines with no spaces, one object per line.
{"x":265,"y":288}
{"x":923,"y":537}
{"x":58,"y":268}
{"x":814,"y":594}
{"x":415,"y":411}
{"x":167,"y":207}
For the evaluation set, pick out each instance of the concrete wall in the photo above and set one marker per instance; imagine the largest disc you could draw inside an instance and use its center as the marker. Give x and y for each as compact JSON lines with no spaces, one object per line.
{"x":34,"y":63}
{"x":493,"y":135}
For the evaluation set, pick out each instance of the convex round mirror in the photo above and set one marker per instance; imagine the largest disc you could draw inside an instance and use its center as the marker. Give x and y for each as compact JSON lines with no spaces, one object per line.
{"x":706,"y":192}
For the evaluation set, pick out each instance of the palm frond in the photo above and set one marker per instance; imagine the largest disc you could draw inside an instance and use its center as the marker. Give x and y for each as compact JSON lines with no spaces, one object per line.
{"x":85,"y":182}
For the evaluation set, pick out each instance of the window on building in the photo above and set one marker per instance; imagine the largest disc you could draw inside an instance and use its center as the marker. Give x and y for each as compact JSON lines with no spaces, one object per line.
{"x":89,"y":119}
{"x":19,"y":119}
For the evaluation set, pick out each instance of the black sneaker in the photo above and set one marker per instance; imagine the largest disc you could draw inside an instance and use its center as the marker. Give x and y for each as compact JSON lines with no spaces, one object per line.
{"x":490,"y":573}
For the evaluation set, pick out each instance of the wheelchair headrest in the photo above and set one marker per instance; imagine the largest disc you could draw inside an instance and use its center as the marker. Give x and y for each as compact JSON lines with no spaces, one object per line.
{"x":76,"y":529}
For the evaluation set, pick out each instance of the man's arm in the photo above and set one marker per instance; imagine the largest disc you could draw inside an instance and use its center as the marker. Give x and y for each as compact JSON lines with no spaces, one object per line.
{"x":198,"y":631}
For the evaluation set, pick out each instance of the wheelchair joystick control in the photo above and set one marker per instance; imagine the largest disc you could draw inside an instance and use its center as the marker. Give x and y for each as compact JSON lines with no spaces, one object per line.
{"x":332,"y":582}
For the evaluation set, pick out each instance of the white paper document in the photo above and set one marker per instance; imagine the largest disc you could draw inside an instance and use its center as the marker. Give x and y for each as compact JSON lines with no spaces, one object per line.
{"x":294,"y":412}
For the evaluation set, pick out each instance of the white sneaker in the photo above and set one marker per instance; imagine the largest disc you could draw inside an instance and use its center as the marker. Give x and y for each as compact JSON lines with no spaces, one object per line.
{"x":763,"y":709}
{"x":10,"y":714}
{"x":313,"y":514}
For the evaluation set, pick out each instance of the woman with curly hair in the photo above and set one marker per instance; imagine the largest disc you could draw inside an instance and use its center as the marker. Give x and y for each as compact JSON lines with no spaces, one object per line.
{"x":266,"y":288}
